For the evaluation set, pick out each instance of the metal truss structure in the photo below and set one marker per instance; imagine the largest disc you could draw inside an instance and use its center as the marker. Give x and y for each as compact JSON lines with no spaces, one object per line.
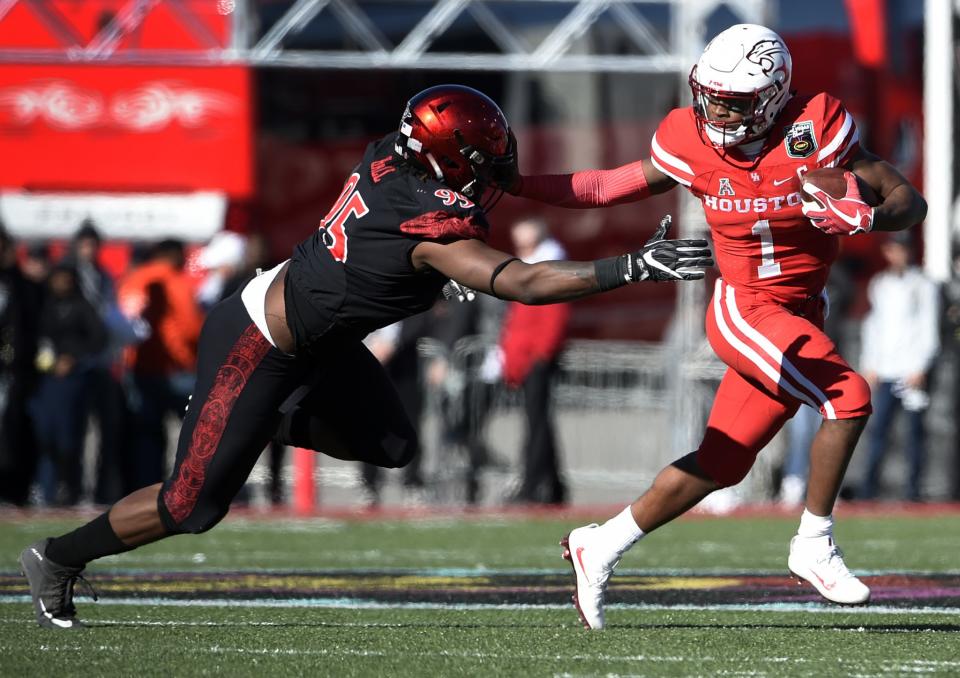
{"x":374,"y":38}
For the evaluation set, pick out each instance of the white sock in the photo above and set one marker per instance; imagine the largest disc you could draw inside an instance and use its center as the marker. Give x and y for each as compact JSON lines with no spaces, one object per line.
{"x":621,"y":531}
{"x":812,"y":526}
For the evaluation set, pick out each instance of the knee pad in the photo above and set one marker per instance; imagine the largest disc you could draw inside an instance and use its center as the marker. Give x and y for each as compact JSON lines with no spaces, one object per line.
{"x":726,"y":465}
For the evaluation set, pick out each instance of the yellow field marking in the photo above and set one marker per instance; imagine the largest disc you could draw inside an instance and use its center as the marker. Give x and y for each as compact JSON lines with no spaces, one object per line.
{"x":675,"y":583}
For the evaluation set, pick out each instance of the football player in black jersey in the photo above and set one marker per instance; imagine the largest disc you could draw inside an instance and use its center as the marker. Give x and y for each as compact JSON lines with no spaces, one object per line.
{"x":283,"y":358}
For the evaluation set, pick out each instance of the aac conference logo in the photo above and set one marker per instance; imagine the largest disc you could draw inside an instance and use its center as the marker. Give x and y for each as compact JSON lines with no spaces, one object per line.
{"x":150,"y":107}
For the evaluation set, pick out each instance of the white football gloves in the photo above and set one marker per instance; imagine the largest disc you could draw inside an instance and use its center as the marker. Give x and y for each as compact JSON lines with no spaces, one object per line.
{"x":848,"y":215}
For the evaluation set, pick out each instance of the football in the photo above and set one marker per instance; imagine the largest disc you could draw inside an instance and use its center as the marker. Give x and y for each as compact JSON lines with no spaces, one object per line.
{"x":831,"y":181}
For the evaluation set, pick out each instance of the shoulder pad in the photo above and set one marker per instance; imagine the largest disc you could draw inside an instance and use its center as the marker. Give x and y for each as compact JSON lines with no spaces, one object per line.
{"x":838,"y":135}
{"x":674,"y":145}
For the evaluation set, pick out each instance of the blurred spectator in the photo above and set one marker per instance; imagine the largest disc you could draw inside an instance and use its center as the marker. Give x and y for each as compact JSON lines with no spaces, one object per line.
{"x":223,"y":258}
{"x":72,"y":337}
{"x":160,"y":294}
{"x":465,"y":402}
{"x":105,"y":378}
{"x":395,"y":346}
{"x":256,"y":257}
{"x":900,"y":342}
{"x":20,"y":299}
{"x":36,"y":264}
{"x":95,"y":283}
{"x":805,"y":423}
{"x":951,"y":343}
{"x":531,"y":341}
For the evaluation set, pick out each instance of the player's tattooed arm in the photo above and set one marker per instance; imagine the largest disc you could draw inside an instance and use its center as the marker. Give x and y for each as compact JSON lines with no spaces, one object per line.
{"x":488,"y":270}
{"x":902,"y":205}
{"x":483,"y":268}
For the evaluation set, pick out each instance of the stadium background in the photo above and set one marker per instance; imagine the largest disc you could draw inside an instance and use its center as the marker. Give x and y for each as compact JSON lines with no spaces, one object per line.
{"x":180,"y":118}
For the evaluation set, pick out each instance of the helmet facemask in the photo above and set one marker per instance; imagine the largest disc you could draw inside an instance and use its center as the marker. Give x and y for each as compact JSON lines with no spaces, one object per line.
{"x":754,"y":107}
{"x":485,"y":168}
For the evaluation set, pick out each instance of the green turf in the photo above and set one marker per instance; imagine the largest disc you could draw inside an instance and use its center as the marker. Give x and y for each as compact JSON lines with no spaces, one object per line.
{"x":195,"y":640}
{"x":256,"y":642}
{"x":892,"y":543}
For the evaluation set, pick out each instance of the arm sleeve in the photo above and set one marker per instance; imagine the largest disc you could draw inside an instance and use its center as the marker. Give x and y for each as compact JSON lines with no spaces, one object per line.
{"x":589,"y":188}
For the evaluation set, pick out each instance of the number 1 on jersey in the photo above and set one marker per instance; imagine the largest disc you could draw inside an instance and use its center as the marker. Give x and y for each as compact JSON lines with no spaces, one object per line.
{"x":332,"y":228}
{"x":768,"y":267}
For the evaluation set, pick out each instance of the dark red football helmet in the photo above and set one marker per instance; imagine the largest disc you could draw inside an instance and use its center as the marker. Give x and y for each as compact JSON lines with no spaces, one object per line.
{"x":458,"y":135}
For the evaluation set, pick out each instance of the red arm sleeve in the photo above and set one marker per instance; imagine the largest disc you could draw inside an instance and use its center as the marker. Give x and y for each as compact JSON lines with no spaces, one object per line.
{"x":589,"y":188}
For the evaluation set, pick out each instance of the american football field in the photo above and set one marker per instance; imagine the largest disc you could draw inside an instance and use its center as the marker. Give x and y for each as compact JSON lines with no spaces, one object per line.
{"x":488,"y":594}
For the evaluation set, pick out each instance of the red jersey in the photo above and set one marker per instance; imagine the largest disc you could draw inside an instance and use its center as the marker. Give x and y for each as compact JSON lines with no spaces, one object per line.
{"x":762,"y":240}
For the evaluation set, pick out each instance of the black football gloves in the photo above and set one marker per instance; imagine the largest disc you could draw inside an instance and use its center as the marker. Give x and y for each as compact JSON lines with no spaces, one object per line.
{"x":663,"y":260}
{"x":659,"y":260}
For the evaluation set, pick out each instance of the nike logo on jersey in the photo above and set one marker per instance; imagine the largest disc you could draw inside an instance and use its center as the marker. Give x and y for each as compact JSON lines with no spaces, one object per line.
{"x":778,"y":182}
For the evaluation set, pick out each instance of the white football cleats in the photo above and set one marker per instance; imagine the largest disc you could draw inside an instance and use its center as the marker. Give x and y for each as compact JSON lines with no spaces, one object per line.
{"x":819,"y":561}
{"x":592,"y":566}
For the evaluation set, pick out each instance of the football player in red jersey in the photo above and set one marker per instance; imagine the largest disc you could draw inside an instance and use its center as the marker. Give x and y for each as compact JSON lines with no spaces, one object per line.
{"x":742,"y":148}
{"x":283,"y":358}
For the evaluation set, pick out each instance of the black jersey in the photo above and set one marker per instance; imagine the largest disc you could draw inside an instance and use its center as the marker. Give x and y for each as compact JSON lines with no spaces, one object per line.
{"x":355,"y":274}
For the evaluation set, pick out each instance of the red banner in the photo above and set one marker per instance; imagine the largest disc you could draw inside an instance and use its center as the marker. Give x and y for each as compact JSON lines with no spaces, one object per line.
{"x":148,"y":24}
{"x":126,"y":128}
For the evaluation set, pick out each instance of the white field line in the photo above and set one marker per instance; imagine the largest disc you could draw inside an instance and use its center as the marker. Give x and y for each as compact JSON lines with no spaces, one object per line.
{"x":361,"y":604}
{"x":911,"y":665}
{"x":368,"y":625}
{"x":297,"y":652}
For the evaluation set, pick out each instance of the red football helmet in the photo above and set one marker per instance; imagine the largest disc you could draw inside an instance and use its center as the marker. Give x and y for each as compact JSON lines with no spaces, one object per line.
{"x":458,"y":135}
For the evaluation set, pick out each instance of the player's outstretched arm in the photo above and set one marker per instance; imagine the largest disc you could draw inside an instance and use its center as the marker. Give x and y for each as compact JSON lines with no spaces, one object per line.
{"x":483,"y":268}
{"x":591,"y":188}
{"x":902,"y":205}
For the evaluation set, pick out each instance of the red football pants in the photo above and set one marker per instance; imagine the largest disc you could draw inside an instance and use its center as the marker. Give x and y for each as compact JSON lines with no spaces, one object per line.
{"x":778,"y":358}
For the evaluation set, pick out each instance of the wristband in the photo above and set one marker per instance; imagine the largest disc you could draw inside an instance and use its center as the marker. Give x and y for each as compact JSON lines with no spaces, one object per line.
{"x":611,"y":273}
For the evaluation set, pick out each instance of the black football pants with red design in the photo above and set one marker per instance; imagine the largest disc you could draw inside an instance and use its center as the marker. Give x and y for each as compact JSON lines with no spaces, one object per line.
{"x":248,"y":392}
